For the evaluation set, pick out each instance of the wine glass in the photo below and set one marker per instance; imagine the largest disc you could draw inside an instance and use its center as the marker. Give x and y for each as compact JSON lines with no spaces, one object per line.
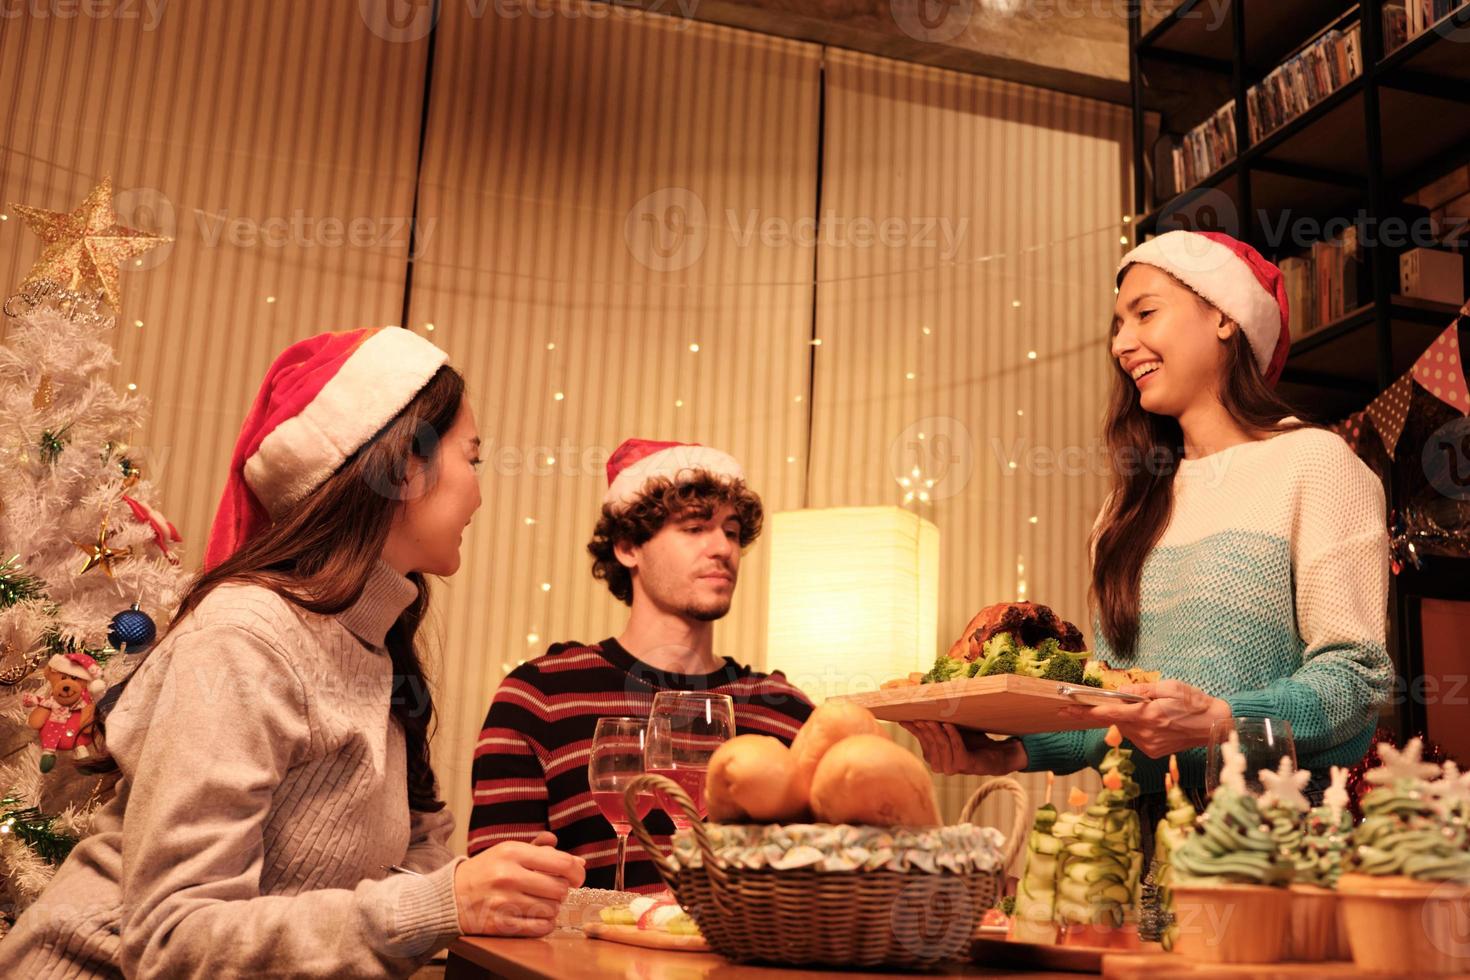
{"x":1263,"y":741}
{"x":615,"y":761}
{"x":684,"y":730}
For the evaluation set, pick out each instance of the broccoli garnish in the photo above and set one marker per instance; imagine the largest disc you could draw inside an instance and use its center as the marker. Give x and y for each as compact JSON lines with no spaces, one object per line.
{"x":1004,"y":662}
{"x":1030,"y":662}
{"x":1008,"y":905}
{"x":1091,"y":680}
{"x":1001,"y":656}
{"x":944,"y":669}
{"x":1063,"y":668}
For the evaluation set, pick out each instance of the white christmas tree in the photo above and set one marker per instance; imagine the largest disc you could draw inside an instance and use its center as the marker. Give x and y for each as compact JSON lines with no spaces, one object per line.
{"x":88,"y":565}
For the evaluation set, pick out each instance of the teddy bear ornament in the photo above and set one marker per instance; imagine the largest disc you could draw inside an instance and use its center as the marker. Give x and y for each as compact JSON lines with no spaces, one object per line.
{"x":64,"y":714}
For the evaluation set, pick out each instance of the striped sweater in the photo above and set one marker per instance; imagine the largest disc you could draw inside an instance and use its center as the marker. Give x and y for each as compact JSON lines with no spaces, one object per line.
{"x":530,"y":766}
{"x":1268,"y":588}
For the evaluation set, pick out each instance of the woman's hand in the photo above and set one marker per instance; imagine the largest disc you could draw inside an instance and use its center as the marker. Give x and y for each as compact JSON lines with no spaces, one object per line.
{"x":949,"y":750}
{"x":515,"y":889}
{"x":1174,"y":718}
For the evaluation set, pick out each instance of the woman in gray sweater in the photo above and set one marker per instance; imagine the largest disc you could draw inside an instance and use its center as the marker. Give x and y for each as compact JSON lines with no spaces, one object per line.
{"x":277,"y":814}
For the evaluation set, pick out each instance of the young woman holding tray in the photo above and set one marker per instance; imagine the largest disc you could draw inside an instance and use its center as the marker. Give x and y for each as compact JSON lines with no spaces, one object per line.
{"x":1242,"y":552}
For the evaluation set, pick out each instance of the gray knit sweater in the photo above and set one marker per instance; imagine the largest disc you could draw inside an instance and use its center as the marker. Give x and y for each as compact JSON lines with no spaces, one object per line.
{"x":263,"y":796}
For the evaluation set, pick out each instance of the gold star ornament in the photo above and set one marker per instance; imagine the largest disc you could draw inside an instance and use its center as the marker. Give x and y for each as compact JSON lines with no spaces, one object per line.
{"x":81,"y":250}
{"x":100,"y":554}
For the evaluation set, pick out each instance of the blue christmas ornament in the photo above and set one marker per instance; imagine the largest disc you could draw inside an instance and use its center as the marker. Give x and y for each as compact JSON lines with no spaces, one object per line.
{"x":133,"y":631}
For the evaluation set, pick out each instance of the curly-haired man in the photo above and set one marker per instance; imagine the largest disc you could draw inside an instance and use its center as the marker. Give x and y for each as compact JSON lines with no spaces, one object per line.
{"x":675,"y":522}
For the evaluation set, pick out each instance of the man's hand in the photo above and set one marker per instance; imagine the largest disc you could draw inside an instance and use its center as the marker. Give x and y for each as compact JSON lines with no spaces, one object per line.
{"x":949,"y":750}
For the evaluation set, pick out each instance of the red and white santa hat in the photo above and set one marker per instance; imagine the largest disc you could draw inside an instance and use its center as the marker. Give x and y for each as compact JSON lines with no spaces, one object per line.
{"x":83,"y":667}
{"x":637,"y":461}
{"x":322,"y":400}
{"x":1232,"y":277}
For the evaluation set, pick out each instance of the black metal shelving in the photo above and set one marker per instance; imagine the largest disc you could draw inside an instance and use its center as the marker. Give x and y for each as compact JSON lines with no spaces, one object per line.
{"x":1353,"y":155}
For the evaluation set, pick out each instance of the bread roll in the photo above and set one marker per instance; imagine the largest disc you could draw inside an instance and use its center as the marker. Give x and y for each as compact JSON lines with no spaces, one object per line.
{"x":867,"y":779}
{"x":829,"y":724}
{"x":753,"y":778}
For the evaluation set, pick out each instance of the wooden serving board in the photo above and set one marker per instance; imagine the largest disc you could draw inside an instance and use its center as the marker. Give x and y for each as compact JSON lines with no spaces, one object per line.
{"x":1168,"y":966}
{"x":1006,"y":704}
{"x":647,"y":938}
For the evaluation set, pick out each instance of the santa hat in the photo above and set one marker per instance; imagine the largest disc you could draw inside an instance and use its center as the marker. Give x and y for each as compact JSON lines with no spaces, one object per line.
{"x":637,"y":461}
{"x":82,"y":667}
{"x":1232,"y":277}
{"x":322,"y":400}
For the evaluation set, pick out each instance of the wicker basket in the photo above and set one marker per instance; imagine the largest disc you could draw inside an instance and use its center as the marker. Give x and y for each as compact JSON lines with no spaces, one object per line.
{"x":912,"y":920}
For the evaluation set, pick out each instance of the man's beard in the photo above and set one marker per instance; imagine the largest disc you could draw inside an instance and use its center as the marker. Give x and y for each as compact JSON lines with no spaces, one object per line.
{"x":709,"y":613}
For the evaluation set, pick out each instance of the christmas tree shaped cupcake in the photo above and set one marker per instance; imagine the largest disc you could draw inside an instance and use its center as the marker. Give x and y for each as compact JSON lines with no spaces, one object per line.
{"x":1452,"y":790}
{"x":1229,"y":879}
{"x":1098,"y":877}
{"x":1176,"y":825}
{"x":1313,"y":934}
{"x":1326,"y":833}
{"x":1285,"y":807}
{"x":1035,"y":916}
{"x":1408,"y":873}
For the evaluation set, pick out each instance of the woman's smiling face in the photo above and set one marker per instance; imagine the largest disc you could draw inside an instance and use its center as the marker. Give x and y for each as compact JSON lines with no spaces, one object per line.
{"x":1168,"y":341}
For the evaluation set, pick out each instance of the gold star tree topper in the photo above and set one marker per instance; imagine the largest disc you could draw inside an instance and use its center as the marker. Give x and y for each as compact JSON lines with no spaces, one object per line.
{"x":81,"y":250}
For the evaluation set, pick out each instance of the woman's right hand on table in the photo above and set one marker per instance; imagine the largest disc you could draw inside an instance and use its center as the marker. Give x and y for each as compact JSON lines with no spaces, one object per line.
{"x":950,"y":750}
{"x":514,"y":888}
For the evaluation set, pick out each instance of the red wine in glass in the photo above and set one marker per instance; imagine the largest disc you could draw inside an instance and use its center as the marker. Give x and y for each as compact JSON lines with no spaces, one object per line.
{"x":684,"y":730}
{"x":610,"y":802}
{"x":690,"y":780}
{"x":615,"y":760}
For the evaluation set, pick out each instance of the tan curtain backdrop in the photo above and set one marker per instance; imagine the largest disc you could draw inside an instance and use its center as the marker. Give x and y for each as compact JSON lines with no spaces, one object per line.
{"x":282,"y":163}
{"x":1004,"y":213}
{"x":592,"y":177}
{"x":603,"y":191}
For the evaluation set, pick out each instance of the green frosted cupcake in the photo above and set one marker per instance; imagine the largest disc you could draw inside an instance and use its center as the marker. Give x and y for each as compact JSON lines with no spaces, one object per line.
{"x":1327,"y":836}
{"x":1409,"y":827}
{"x":1285,"y":810}
{"x":1228,"y":878}
{"x":1407,"y":874}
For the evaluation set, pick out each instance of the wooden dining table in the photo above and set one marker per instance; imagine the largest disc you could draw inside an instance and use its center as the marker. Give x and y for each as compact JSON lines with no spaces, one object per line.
{"x":569,"y":955}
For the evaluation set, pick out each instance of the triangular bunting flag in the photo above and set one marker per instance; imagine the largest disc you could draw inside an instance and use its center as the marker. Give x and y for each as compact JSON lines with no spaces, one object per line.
{"x":1351,"y":430}
{"x":1389,"y":411}
{"x":1441,"y":371}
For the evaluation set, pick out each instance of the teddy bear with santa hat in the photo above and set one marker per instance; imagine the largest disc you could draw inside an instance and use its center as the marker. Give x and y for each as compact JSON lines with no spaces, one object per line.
{"x":64,"y":715}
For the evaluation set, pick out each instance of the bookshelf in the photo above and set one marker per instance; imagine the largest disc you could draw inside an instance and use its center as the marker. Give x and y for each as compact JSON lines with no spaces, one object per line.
{"x":1399,"y":124}
{"x":1358,"y":152}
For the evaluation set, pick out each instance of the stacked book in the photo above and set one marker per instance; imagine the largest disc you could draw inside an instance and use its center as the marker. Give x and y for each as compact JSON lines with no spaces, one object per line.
{"x":1330,"y":61}
{"x":1205,"y":148}
{"x":1405,"y":19}
{"x":1323,"y":285}
{"x":1319,"y":69}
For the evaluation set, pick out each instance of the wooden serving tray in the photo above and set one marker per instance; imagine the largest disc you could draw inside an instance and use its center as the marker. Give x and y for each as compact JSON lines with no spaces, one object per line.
{"x":1168,"y":966}
{"x":998,"y":951}
{"x":1007,"y":704}
{"x":647,"y":938}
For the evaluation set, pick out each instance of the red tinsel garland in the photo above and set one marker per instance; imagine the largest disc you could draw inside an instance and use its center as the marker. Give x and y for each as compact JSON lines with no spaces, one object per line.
{"x":1358,"y":786}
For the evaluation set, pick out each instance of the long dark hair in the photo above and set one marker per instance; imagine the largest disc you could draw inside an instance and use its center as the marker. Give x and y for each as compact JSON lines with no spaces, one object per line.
{"x":1145,"y":450}
{"x":320,"y":554}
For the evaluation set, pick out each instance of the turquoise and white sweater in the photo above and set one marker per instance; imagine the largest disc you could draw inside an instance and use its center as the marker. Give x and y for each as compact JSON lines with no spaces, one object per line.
{"x":1269,"y":588}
